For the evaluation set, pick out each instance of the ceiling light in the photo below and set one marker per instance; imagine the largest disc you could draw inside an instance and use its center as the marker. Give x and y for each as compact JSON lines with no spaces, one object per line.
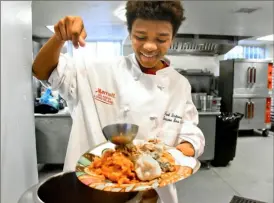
{"x":120,"y":13}
{"x":51,"y":28}
{"x":267,"y":38}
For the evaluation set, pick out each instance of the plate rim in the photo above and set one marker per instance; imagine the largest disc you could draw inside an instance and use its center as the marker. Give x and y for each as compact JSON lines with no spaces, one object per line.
{"x":194,"y":170}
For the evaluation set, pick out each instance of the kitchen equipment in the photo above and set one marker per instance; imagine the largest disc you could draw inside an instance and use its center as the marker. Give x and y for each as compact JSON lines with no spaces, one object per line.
{"x":196,"y":44}
{"x":207,"y":124}
{"x":209,"y":102}
{"x":66,"y":188}
{"x":96,"y":181}
{"x":216,"y":103}
{"x":51,"y":139}
{"x":245,"y":86}
{"x":196,"y":99}
{"x":201,"y":82}
{"x":203,"y":102}
{"x":121,"y":133}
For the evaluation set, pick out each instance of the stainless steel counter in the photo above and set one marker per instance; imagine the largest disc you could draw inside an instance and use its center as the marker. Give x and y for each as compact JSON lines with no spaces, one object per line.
{"x":209,"y":113}
{"x":59,"y":114}
{"x":207,"y":123}
{"x":53,"y":131}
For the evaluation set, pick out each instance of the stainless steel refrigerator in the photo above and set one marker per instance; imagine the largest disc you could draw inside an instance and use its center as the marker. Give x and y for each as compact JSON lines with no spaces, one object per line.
{"x":245,"y":86}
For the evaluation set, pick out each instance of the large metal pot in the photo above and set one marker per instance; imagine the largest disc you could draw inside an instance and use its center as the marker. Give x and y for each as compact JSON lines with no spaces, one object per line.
{"x":66,"y":188}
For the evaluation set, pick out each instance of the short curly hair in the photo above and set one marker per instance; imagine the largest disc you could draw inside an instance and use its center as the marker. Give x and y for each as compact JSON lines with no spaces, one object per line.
{"x":171,"y":11}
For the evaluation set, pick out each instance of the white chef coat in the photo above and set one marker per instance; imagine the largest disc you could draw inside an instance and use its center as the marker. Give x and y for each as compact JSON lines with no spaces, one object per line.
{"x":97,"y":93}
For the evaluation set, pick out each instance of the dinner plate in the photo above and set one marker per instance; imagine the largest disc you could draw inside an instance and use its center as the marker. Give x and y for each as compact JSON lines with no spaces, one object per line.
{"x":97,"y":182}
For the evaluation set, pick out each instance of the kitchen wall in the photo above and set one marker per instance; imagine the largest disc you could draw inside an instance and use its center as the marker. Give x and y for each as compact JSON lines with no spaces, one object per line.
{"x":269,"y":51}
{"x":209,"y":63}
{"x":39,"y":42}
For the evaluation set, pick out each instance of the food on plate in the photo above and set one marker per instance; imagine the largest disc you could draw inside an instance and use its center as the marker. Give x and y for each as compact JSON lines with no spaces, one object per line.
{"x":131,"y":163}
{"x":121,"y":139}
{"x":147,"y":168}
{"x":158,"y":152}
{"x":115,"y":166}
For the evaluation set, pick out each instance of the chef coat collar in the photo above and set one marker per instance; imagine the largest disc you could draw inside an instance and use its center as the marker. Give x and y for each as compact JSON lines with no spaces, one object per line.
{"x":137,"y":72}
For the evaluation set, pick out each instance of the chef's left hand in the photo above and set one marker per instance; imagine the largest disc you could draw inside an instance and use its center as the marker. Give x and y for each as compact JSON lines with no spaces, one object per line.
{"x":186,"y":148}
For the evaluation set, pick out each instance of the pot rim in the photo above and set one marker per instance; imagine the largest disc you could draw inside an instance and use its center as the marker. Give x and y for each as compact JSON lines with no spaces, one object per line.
{"x":36,"y":188}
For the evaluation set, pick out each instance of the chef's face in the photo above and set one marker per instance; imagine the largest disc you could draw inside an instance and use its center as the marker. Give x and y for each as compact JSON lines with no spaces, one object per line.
{"x":151,"y":40}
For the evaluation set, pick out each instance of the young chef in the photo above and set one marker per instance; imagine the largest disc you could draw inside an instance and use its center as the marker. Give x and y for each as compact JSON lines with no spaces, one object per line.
{"x":145,"y":83}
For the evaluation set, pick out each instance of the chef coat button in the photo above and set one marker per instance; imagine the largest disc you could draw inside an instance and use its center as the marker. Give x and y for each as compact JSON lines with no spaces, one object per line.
{"x":152,"y":117}
{"x":136,"y":78}
{"x":160,"y":87}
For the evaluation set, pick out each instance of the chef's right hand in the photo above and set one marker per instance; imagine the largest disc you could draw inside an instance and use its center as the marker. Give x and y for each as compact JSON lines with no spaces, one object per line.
{"x":71,"y":28}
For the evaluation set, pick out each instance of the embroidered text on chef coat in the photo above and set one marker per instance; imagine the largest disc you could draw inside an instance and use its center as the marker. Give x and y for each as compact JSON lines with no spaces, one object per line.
{"x":104,"y":96}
